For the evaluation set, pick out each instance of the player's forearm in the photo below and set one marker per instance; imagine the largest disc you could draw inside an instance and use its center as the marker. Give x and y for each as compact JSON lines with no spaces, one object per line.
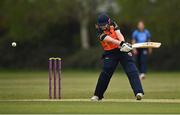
{"x":149,"y":49}
{"x":133,"y":41}
{"x":119,"y":35}
{"x":124,"y":47}
{"x":114,"y":41}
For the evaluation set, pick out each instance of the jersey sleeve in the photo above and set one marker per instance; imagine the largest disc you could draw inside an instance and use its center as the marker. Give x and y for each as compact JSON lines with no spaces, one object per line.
{"x":148,"y":34}
{"x":101,"y":35}
{"x":116,"y":27}
{"x":134,"y":34}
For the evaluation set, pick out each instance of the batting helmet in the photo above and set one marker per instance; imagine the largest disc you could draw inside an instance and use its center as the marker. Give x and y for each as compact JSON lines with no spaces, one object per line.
{"x":103,"y":19}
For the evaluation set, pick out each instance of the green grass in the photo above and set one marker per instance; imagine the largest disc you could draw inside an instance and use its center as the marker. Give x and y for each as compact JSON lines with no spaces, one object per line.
{"x":80,"y":85}
{"x":88,"y":107}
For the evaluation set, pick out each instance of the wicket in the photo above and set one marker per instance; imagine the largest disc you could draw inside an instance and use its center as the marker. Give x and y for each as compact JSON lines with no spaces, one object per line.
{"x":54,"y":69}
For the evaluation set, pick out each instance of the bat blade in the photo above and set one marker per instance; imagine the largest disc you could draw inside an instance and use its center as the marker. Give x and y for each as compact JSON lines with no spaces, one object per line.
{"x":147,"y":45}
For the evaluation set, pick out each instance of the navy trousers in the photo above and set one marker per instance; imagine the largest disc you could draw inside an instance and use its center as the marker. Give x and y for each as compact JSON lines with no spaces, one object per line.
{"x":142,"y":60}
{"x":110,"y":61}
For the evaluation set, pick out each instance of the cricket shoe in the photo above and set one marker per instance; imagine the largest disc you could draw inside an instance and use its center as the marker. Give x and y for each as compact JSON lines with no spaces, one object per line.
{"x":139,"y":96}
{"x":142,"y":76}
{"x":95,"y":98}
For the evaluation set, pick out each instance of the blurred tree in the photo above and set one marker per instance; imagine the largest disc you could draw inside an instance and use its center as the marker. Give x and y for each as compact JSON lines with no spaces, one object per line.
{"x":46,"y":28}
{"x":87,"y":9}
{"x":160,"y":16}
{"x":28,"y":19}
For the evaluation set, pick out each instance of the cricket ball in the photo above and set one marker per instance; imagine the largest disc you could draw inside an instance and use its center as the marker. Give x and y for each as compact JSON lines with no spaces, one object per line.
{"x":13,"y":44}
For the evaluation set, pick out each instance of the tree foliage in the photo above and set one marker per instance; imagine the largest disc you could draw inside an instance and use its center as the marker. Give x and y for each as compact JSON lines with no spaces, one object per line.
{"x":45,"y":28}
{"x":160,"y":16}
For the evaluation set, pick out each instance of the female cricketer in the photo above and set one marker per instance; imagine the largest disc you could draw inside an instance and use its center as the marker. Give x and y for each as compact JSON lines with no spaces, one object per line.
{"x":116,"y":51}
{"x":141,"y":35}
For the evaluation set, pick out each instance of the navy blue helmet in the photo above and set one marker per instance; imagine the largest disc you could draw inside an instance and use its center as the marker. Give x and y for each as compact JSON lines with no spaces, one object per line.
{"x":103,"y":19}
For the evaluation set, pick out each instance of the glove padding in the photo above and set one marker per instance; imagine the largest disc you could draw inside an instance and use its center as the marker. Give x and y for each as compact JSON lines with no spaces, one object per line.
{"x":125,"y":47}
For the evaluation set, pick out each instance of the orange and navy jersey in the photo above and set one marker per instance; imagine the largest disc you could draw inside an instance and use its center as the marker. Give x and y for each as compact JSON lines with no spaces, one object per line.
{"x":110,"y":32}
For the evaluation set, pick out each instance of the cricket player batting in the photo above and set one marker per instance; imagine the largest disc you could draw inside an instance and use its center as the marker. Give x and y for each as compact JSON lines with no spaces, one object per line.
{"x":116,"y":51}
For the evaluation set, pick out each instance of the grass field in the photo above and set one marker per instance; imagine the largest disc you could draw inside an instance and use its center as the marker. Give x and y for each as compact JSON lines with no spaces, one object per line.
{"x":27,"y":92}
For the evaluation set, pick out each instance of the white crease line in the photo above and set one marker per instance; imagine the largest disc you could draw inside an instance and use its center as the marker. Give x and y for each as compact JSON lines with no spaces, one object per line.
{"x":88,"y":100}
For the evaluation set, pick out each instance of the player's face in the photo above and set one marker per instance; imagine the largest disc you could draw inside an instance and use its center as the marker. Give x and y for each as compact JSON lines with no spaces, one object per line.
{"x":105,"y":27}
{"x":141,"y":26}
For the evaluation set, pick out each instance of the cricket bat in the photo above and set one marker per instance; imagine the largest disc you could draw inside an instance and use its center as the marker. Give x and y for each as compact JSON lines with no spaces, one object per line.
{"x":147,"y":45}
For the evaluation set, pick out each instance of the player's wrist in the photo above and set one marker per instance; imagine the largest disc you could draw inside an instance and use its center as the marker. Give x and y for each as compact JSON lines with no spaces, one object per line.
{"x":121,"y":43}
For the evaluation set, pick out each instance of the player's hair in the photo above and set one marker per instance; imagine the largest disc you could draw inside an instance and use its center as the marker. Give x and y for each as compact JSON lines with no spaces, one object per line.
{"x":141,"y":21}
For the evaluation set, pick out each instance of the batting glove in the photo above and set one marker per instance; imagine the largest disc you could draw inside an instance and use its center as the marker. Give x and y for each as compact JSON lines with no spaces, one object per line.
{"x":125,"y":47}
